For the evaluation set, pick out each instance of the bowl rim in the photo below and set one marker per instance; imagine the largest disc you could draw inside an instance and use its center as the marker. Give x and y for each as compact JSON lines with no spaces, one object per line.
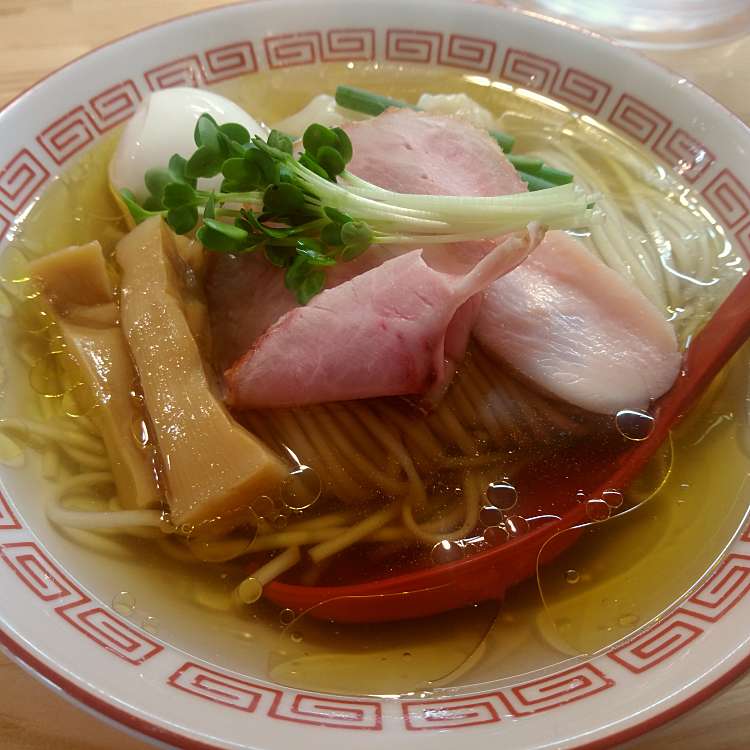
{"x":103,"y":708}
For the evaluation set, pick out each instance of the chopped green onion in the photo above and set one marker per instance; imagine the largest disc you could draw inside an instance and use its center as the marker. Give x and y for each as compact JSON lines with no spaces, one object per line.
{"x":535,"y":182}
{"x":367,"y":102}
{"x":527,"y":164}
{"x":504,"y":140}
{"x":555,"y":176}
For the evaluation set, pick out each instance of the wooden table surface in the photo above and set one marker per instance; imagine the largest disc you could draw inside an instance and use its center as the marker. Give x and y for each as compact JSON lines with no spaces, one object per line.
{"x":37,"y":36}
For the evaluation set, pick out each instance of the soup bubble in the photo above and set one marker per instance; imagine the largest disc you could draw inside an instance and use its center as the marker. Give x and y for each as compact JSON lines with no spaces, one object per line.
{"x":301,"y":488}
{"x":446,"y":551}
{"x":287,"y":616}
{"x":598,"y":510}
{"x":123,"y":603}
{"x":517,"y":525}
{"x":491,"y":515}
{"x":502,"y":494}
{"x":634,"y":425}
{"x":496,"y":535}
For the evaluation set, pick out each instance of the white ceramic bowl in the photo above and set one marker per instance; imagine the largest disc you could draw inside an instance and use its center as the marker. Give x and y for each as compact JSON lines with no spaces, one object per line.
{"x":55,"y":613}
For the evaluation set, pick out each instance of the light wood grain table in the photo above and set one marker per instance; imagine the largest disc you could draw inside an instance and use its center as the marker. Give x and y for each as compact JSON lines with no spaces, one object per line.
{"x":37,"y":36}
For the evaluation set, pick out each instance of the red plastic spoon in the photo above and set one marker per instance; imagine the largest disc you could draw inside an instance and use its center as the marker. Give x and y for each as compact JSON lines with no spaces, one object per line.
{"x":487,"y":574}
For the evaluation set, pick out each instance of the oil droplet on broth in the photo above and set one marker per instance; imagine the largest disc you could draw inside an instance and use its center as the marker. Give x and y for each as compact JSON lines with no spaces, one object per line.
{"x":301,"y":489}
{"x":446,"y":552}
{"x":491,"y":515}
{"x":502,"y":495}
{"x":598,"y":510}
{"x":79,"y":401}
{"x":517,"y":525}
{"x":572,"y":576}
{"x":123,"y":603}
{"x":151,"y":625}
{"x":634,"y":425}
{"x":613,"y":498}
{"x":287,"y":616}
{"x":47,"y":375}
{"x":296,"y":637}
{"x":496,"y":535}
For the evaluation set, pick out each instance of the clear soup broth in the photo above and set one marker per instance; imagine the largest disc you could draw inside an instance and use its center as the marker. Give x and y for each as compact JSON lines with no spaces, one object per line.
{"x":634,"y":559}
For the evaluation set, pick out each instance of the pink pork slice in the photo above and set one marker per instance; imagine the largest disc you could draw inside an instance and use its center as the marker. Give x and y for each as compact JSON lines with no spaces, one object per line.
{"x":579,"y":330}
{"x":403,"y":151}
{"x":397,"y":329}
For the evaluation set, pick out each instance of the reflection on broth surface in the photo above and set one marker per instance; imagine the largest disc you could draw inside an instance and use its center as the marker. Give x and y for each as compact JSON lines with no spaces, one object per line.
{"x":434,"y":487}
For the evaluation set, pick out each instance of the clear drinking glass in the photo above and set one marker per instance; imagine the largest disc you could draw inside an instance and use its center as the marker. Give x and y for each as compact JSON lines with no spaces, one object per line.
{"x":652,"y":23}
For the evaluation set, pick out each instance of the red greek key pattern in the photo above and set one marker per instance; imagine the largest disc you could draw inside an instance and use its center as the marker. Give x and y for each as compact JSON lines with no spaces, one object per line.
{"x":39,"y":574}
{"x":4,"y":227}
{"x":451,"y":713}
{"x":329,"y":712}
{"x":557,"y":690}
{"x":529,"y":70}
{"x":582,"y":90}
{"x":729,"y":198}
{"x":220,"y":687}
{"x":68,"y":135}
{"x":656,"y":645}
{"x":410,"y":45}
{"x":533,"y":697}
{"x":229,"y":61}
{"x":114,"y":105}
{"x":469,"y":52}
{"x":722,"y":592}
{"x":287,"y":50}
{"x":20,"y":179}
{"x":349,"y":44}
{"x":110,"y":632}
{"x":639,"y":120}
{"x":48,"y":583}
{"x":185,"y":71}
{"x":685,"y":154}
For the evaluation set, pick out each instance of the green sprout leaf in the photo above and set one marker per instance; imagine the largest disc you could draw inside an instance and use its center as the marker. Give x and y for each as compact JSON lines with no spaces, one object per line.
{"x":345,"y":144}
{"x":235,"y":132}
{"x":280,"y":256}
{"x":316,"y":136}
{"x":206,"y":133}
{"x":205,"y":162}
{"x":182,"y":219}
{"x":311,"y":285}
{"x":221,"y":237}
{"x":281,"y":141}
{"x":177,"y":194}
{"x":331,"y":160}
{"x":138,"y":213}
{"x":331,"y":235}
{"x":283,"y":199}
{"x":312,"y":251}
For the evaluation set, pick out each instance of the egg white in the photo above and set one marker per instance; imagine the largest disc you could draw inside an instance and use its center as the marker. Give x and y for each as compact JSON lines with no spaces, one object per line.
{"x":163,"y":125}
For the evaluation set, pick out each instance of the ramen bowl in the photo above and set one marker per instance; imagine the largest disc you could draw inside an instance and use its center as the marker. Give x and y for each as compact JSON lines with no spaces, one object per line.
{"x":117,"y":635}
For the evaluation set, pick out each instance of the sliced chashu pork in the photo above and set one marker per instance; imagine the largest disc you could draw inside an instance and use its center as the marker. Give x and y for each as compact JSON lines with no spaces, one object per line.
{"x":253,"y":314}
{"x":579,"y":330}
{"x":400,"y":328}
